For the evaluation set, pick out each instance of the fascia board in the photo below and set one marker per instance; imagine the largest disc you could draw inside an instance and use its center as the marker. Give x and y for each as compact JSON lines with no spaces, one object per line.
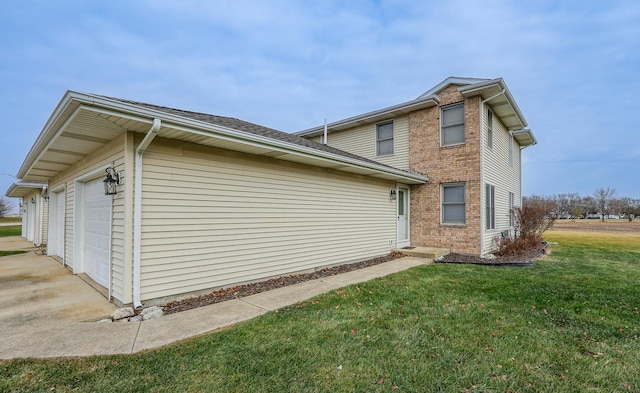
{"x":191,"y":125}
{"x":420,"y":103}
{"x":469,"y":90}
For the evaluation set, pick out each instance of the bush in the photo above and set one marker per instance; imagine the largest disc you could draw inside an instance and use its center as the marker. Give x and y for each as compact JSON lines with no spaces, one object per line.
{"x":531,"y":221}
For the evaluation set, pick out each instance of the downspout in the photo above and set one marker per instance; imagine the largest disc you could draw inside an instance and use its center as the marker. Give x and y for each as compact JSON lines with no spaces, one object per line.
{"x":137,"y":210}
{"x":482,"y":185}
{"x":41,"y":203}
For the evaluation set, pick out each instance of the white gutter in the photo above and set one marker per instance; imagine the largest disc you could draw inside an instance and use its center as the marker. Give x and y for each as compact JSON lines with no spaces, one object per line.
{"x":482,"y":185}
{"x":137,"y":210}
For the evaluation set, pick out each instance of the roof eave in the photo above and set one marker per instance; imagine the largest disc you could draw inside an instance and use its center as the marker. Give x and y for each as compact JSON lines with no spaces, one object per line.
{"x":525,"y":137}
{"x":373,"y":116}
{"x":72,"y":100}
{"x":476,"y":89}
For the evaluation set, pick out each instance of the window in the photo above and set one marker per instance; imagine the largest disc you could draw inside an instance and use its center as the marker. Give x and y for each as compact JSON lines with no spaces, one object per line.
{"x":489,"y":128}
{"x":511,"y":150}
{"x":453,"y":203}
{"x":512,"y":205}
{"x":490,"y":207}
{"x":452,"y":127}
{"x":384,"y":139}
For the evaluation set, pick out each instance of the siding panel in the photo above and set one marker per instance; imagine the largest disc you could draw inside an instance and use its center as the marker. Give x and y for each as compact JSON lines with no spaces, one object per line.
{"x":219,"y":219}
{"x":362,"y":141}
{"x":501,"y":174}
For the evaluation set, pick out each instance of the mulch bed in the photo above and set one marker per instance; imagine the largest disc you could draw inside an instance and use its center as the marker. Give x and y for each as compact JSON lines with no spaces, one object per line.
{"x":523,"y":259}
{"x":240,"y":291}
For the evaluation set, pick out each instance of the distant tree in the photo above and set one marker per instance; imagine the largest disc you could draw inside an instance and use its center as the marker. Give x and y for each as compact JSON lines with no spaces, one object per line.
{"x":603,"y":198}
{"x":5,"y":206}
{"x":548,"y":204}
{"x":627,"y":207}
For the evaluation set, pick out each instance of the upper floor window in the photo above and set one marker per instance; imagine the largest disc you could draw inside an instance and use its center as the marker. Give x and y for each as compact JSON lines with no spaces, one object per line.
{"x":453,"y":203}
{"x":452,"y":126}
{"x":384,"y":139}
{"x":489,"y":128}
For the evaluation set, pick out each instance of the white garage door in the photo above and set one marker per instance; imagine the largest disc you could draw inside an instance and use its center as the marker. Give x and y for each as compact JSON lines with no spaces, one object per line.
{"x":97,"y":232}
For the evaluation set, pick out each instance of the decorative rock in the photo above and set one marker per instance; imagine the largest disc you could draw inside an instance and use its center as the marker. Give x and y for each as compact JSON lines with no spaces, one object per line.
{"x":137,"y":318}
{"x":151,"y":312}
{"x":122,"y":313}
{"x":439,"y":259}
{"x":489,"y":257}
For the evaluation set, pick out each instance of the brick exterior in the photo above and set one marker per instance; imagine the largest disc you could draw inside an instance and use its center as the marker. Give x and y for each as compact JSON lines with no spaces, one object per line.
{"x":458,"y":163}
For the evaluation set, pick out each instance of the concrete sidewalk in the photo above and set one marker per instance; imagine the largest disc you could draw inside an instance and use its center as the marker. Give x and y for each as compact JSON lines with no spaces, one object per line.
{"x":30,"y":327}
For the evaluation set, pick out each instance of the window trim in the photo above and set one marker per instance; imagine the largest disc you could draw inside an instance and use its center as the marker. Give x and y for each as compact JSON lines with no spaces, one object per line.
{"x":489,"y":207}
{"x":392,"y":139}
{"x":512,"y":205}
{"x":443,"y":127}
{"x":443,"y":203}
{"x":489,"y":128}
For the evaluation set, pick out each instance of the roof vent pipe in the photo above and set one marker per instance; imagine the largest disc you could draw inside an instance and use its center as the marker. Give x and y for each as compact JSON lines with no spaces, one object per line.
{"x":324,"y":139}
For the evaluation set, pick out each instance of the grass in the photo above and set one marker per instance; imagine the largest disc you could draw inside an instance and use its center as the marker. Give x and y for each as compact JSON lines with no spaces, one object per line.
{"x":12,"y":230}
{"x":10,"y":219}
{"x":569,"y":324}
{"x":7,"y":253}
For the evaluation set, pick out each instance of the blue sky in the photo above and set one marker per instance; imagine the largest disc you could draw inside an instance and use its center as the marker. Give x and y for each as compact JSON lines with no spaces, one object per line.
{"x":572,"y":66}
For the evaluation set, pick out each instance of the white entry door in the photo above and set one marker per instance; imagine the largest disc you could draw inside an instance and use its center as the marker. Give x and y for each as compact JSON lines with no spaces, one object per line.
{"x":403,"y":217}
{"x":97,"y":232}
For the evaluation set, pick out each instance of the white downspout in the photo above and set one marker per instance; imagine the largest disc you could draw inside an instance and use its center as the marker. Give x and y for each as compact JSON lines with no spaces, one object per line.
{"x":137,"y":210}
{"x":41,"y":202}
{"x":482,"y":185}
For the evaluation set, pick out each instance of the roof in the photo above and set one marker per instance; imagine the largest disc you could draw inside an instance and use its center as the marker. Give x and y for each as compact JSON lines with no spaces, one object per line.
{"x":84,"y":122}
{"x":23,"y":188}
{"x":493,"y":91}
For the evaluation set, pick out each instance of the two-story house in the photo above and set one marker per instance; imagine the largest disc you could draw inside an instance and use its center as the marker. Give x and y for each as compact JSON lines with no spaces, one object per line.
{"x":466,"y":135}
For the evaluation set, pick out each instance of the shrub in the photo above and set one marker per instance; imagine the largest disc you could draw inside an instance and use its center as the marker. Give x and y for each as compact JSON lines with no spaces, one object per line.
{"x":531,"y":221}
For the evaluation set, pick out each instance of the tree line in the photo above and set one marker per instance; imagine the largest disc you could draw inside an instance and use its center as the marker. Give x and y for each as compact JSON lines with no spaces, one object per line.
{"x":602,"y":203}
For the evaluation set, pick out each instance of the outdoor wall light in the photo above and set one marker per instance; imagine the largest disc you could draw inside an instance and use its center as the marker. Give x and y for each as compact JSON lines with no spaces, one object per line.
{"x":112,"y":180}
{"x":392,"y":195}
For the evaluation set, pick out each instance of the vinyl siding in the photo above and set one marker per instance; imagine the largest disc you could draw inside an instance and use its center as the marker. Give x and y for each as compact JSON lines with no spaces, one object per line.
{"x":499,"y":173}
{"x":111,"y":153}
{"x":362,"y":141}
{"x":215,"y":218}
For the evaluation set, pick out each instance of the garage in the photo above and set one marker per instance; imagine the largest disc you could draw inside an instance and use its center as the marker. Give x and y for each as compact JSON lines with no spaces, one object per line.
{"x":97,"y":232}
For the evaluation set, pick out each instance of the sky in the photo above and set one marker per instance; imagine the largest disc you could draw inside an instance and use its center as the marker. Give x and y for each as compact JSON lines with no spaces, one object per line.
{"x":572,"y":67}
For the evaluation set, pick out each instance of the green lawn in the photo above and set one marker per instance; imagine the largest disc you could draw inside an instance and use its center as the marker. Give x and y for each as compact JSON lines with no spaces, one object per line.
{"x":13,"y":230}
{"x":570,"y":324}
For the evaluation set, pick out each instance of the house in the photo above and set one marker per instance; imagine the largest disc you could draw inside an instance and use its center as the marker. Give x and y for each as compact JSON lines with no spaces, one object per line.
{"x":152,"y":203}
{"x":34,"y":209}
{"x":466,"y":134}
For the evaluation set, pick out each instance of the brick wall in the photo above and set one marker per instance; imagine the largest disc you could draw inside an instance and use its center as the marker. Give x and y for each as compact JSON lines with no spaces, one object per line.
{"x":459,"y":163}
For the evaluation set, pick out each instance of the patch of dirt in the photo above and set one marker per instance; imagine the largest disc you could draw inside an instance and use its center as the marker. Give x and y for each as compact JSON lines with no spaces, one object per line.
{"x":526,"y":257}
{"x":611,"y":226}
{"x":239,"y":291}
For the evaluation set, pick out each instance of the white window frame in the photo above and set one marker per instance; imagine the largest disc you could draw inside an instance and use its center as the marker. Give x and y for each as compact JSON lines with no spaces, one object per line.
{"x":379,"y":140}
{"x":444,"y":128}
{"x":489,"y":206}
{"x":443,"y":203}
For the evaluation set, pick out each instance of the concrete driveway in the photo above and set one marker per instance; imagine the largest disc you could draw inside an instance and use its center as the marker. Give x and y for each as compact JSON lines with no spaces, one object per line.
{"x":39,"y":296}
{"x":46,"y":311}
